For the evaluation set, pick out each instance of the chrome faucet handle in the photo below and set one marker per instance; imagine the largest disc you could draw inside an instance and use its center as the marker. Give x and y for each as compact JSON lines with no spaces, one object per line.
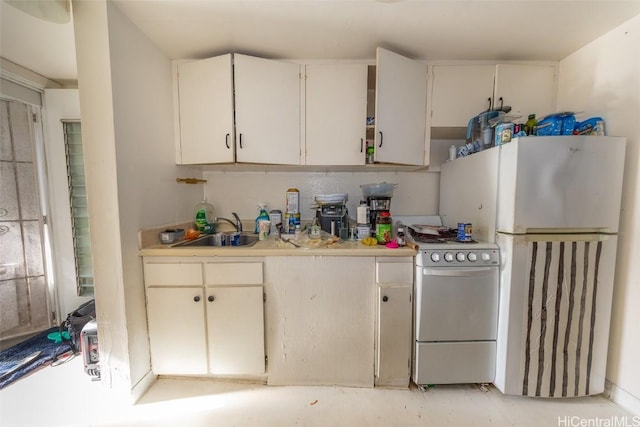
{"x":238,"y":222}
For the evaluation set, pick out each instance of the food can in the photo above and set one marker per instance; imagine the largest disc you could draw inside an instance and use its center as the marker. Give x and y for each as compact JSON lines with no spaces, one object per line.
{"x":464,"y":231}
{"x":291,"y":220}
{"x":276,"y":221}
{"x":218,"y":239}
{"x":233,"y":239}
{"x":363,"y":231}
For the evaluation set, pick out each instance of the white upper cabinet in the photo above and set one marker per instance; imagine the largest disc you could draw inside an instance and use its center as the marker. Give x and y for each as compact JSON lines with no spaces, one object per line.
{"x":205,"y":90}
{"x":267,"y":101}
{"x":461,"y":92}
{"x":266,"y":108}
{"x":335,"y":115}
{"x":401,"y":105}
{"x":527,"y":88}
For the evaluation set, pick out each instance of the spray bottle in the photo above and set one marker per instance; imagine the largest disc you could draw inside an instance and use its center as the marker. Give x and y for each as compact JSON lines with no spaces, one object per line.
{"x":262,"y":216}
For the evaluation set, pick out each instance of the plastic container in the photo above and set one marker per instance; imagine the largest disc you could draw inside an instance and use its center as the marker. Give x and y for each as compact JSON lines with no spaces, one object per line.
{"x":204,"y":215}
{"x":293,"y":201}
{"x":382,"y":189}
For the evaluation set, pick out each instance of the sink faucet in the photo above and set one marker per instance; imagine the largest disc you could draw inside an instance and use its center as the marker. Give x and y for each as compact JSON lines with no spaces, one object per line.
{"x":237,"y":224}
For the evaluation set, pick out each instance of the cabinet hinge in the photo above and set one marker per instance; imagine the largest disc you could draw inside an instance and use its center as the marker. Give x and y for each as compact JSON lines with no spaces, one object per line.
{"x":44,"y":219}
{"x":35,"y":117}
{"x":266,"y":362}
{"x":264,"y":297}
{"x":302,"y":76}
{"x":54,"y":318}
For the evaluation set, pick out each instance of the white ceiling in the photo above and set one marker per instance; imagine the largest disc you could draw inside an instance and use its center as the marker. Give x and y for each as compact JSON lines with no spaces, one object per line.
{"x":346,"y":29}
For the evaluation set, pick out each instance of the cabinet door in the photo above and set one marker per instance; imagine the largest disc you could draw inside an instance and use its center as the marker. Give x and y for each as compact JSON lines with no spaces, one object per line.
{"x":335,"y":115}
{"x":176,"y":330}
{"x":401,"y":103}
{"x":235,"y":322}
{"x":460,"y":92}
{"x":206,"y":111}
{"x":393,"y":336}
{"x":267,"y":100}
{"x":527,"y":88}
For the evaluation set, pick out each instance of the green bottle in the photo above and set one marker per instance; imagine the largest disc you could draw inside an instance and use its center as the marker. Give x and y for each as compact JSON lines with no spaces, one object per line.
{"x":204,"y":215}
{"x":530,"y":125}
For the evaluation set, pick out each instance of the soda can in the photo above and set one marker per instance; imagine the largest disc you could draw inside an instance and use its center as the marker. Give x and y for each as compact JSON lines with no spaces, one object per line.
{"x":233,"y":239}
{"x":218,"y":239}
{"x":464,"y":231}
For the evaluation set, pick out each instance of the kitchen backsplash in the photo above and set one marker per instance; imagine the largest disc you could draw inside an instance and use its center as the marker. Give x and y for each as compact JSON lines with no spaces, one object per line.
{"x":417,"y":192}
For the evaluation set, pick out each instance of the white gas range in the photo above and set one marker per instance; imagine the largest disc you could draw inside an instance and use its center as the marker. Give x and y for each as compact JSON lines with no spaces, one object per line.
{"x":456,"y":306}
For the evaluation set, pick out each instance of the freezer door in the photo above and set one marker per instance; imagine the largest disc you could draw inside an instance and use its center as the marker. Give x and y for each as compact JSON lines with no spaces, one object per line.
{"x":571,"y":182}
{"x":555,"y":309}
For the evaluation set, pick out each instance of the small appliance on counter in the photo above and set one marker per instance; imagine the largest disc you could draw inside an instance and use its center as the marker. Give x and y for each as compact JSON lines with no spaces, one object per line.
{"x":333,"y":217}
{"x":332,"y":213}
{"x":378,"y":198}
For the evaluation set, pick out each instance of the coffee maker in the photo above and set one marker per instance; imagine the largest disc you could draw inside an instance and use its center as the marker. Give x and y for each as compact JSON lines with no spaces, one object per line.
{"x":332,"y":217}
{"x":377,"y":205}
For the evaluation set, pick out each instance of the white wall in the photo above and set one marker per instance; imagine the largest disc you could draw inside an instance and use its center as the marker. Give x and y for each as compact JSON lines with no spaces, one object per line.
{"x":125,"y":98}
{"x":603,"y":78}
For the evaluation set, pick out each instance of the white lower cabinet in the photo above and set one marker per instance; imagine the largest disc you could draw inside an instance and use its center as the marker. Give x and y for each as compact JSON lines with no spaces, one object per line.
{"x":177,"y":330}
{"x":235,"y":330}
{"x":394,"y":277}
{"x":210,"y":322}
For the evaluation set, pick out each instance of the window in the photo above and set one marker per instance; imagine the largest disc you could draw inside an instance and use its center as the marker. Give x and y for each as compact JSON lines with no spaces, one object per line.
{"x":79,"y":212}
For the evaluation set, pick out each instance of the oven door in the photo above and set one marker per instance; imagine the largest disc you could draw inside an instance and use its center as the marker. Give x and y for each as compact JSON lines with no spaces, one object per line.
{"x":456,"y":304}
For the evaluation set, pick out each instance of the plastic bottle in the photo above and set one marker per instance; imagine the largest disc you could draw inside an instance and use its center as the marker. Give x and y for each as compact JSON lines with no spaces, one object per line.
{"x":530,"y":125}
{"x":262,"y":216}
{"x":400,"y":239}
{"x":205,"y":214}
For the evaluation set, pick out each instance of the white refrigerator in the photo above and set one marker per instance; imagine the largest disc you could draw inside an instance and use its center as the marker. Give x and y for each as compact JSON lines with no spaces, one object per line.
{"x":552,"y":204}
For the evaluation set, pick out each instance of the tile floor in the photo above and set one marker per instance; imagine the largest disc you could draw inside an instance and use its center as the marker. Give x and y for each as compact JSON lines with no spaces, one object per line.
{"x":46,"y":399}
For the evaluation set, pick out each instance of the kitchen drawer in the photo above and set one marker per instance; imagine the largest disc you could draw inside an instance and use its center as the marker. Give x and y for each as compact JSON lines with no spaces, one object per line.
{"x":455,"y":362}
{"x":233,"y":273}
{"x":394,"y":270}
{"x":173,"y":274}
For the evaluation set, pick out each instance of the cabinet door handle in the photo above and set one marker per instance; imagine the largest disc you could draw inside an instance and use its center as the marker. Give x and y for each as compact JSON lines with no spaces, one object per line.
{"x":489,"y":99}
{"x":240,"y":140}
{"x":361,"y":144}
{"x":385,"y":298}
{"x":226,"y":140}
{"x":380,"y":139}
{"x":211,"y":298}
{"x":196,"y":298}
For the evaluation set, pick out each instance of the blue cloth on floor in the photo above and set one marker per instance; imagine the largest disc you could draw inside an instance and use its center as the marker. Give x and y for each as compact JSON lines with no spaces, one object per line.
{"x":11,"y":356}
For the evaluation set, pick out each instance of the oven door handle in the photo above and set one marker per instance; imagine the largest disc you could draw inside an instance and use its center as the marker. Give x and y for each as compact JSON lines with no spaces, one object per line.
{"x":457,"y":272}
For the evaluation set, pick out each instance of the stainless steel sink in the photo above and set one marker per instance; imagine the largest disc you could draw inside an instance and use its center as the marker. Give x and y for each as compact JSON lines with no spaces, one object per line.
{"x":246,"y":240}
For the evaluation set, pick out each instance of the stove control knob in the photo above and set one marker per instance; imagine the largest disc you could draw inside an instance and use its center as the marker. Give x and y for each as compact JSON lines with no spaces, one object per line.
{"x":486,"y":256}
{"x":460,"y":257}
{"x":471,"y":256}
{"x":435,"y":257}
{"x":448,"y":256}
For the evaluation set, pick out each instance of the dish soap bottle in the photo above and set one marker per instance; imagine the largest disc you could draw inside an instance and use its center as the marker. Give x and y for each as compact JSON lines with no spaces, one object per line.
{"x":205,"y":215}
{"x":262,"y":216}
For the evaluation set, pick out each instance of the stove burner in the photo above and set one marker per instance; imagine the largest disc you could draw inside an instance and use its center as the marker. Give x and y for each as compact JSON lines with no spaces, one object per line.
{"x":450,"y":237}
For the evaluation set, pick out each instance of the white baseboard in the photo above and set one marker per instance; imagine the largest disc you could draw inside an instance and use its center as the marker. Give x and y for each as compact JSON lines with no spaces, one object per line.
{"x":622,"y":398}
{"x":142,"y":386}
